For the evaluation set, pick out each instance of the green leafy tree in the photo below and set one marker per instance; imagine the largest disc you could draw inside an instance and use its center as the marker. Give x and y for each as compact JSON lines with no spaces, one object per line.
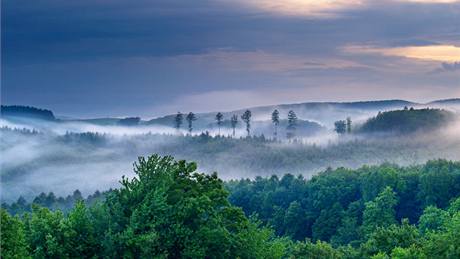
{"x":318,"y":250}
{"x":169,"y":210}
{"x":326,"y":224}
{"x":219,"y":120}
{"x":380,"y":212}
{"x":191,"y":117}
{"x":385,"y":238}
{"x":348,"y":233}
{"x":432,"y":219}
{"x":79,"y":236}
{"x":13,"y":241}
{"x":246,"y":117}
{"x":45,"y":233}
{"x":276,"y":122}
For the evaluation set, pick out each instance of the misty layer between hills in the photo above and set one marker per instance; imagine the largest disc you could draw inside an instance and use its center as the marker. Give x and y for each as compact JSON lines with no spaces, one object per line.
{"x":62,"y":157}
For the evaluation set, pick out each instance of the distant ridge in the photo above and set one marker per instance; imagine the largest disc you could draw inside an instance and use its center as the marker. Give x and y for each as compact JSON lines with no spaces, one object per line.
{"x":26,"y":112}
{"x":455,"y":101}
{"x":304,"y":107}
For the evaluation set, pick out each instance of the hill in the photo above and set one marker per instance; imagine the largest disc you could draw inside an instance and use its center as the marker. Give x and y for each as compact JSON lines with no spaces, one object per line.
{"x":324,"y":113}
{"x":407,"y":121}
{"x":26,"y":112}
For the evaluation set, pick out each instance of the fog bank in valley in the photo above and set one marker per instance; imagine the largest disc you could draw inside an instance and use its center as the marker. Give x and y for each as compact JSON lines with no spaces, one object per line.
{"x":42,"y":156}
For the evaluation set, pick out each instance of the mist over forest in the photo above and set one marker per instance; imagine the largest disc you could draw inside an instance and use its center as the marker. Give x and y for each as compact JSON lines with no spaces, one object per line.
{"x":52,"y":154}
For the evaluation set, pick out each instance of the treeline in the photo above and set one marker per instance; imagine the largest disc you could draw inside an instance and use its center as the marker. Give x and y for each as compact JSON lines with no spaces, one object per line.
{"x":291,"y":121}
{"x":336,"y":204}
{"x":407,"y":120}
{"x":171,"y":211}
{"x":396,"y":121}
{"x":53,"y":202}
{"x":26,"y":111}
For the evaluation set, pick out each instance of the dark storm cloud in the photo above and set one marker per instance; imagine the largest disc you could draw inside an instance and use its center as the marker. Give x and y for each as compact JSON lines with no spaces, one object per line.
{"x":142,"y":56}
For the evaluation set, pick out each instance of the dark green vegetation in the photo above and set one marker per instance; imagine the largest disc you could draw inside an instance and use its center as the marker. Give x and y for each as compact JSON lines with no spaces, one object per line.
{"x":27,"y":112}
{"x":167,"y":211}
{"x":407,"y":121}
{"x":171,"y":211}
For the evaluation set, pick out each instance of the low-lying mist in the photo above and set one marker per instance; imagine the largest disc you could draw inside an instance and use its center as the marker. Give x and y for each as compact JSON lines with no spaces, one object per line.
{"x":42,"y":156}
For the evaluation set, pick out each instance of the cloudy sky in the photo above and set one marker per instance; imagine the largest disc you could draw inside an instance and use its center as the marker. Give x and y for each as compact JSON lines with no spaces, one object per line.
{"x":91,"y":58}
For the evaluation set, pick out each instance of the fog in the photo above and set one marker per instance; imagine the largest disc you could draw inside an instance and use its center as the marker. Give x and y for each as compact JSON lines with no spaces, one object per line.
{"x":61,"y":158}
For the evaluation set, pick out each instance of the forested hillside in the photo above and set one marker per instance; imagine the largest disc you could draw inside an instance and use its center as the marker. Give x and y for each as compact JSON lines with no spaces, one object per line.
{"x":63,"y":163}
{"x":171,"y":211}
{"x":407,"y":121}
{"x":26,"y":112}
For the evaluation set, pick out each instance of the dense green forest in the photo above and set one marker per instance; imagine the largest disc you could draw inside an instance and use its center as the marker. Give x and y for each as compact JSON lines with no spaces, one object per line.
{"x":407,"y":121}
{"x":171,"y":211}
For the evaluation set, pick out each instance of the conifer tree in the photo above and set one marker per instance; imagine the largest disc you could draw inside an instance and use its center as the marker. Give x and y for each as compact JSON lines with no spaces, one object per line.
{"x":191,"y":117}
{"x":246,"y":117}
{"x":276,"y":122}
{"x":219,"y":120}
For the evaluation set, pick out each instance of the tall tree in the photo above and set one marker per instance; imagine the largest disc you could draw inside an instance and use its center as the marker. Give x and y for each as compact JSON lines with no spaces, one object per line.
{"x":219,"y":120}
{"x":13,"y":239}
{"x":380,"y":212}
{"x":292,"y":124}
{"x":178,"y":120}
{"x":340,"y":126}
{"x":246,"y":117}
{"x":191,"y":117}
{"x":234,"y":122}
{"x":348,"y":125}
{"x":276,"y":122}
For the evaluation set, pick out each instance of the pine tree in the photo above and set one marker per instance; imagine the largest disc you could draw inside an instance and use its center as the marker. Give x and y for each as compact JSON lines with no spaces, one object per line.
{"x":191,"y":117}
{"x":178,"y":120}
{"x":219,"y":120}
{"x":246,"y":117}
{"x":234,"y":122}
{"x":292,"y":124}
{"x":348,"y":125}
{"x":276,"y":122}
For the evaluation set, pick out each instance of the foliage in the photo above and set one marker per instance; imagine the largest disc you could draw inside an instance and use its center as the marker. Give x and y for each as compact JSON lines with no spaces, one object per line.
{"x":178,"y":120}
{"x":292,"y":124}
{"x":168,"y":210}
{"x":346,"y":206}
{"x":13,"y":242}
{"x":407,"y":121}
{"x":246,"y":117}
{"x":276,"y":122}
{"x":191,"y":117}
{"x":340,"y":126}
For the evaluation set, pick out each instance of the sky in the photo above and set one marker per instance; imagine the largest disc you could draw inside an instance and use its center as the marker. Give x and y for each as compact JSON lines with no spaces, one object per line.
{"x":97,"y":58}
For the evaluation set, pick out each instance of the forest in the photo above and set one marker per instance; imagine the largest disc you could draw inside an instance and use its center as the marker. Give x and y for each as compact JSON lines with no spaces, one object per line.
{"x":61,"y":163}
{"x":169,"y":210}
{"x":370,"y":190}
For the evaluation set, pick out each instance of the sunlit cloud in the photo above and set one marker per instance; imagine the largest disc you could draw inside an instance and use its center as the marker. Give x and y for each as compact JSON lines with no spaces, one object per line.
{"x":319,"y":8}
{"x":324,"y":8}
{"x":441,"y":53}
{"x":432,"y":1}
